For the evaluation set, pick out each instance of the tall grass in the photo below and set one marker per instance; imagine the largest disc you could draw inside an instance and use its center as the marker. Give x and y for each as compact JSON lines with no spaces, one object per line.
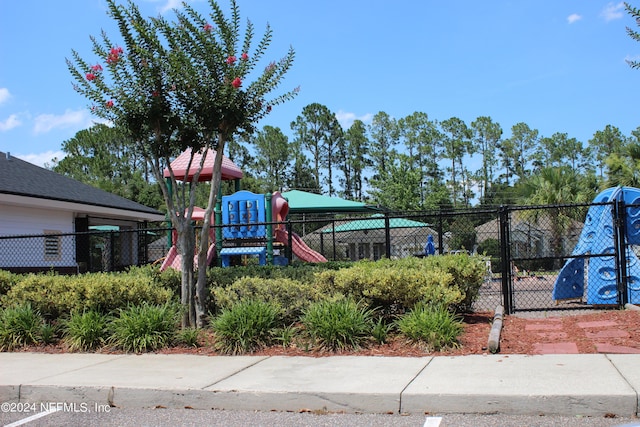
{"x":434,"y":326}
{"x":145,"y":327}
{"x":86,"y":331}
{"x":20,"y":326}
{"x":246,"y":327}
{"x":338,"y":325}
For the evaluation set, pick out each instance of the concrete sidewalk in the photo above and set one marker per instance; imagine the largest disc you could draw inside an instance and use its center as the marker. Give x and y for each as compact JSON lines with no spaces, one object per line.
{"x":562,"y":384}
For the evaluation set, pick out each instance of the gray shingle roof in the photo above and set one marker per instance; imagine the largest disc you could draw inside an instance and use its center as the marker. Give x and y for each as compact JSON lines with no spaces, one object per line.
{"x":22,"y":178}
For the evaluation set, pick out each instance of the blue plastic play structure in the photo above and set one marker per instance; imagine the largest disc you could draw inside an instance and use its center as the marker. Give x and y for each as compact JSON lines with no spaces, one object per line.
{"x":597,"y":237}
{"x":245,"y":212}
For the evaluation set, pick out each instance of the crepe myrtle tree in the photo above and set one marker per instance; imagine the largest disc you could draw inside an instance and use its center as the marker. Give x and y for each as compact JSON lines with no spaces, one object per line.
{"x":181,"y":84}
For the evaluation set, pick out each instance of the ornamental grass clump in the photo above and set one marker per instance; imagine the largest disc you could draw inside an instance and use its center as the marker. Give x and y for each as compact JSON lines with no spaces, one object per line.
{"x":145,"y":327}
{"x":432,"y":325}
{"x":20,"y":326}
{"x":338,"y":325}
{"x":86,"y":331}
{"x":246,"y":326}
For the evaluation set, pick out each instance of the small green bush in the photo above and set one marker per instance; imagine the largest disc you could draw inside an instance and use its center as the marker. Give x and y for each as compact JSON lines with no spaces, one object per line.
{"x":380,"y":331}
{"x":86,"y":331}
{"x":145,"y":327}
{"x":20,"y":325}
{"x":246,"y":327}
{"x":468,"y":272}
{"x":292,"y":295}
{"x":7,"y":281}
{"x":54,"y":296}
{"x":336,"y":325}
{"x":189,"y":337}
{"x":392,"y":285}
{"x":434,"y":326}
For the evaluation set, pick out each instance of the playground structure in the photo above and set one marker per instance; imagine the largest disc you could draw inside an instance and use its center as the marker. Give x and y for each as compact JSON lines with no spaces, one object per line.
{"x":174,"y":259}
{"x":599,"y":236}
{"x":246,"y":219}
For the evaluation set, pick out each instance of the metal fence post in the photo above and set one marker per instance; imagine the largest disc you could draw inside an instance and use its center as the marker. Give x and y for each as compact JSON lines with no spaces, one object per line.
{"x":619,"y":242}
{"x":505,"y":254}
{"x":387,"y":236}
{"x":440,"y":234}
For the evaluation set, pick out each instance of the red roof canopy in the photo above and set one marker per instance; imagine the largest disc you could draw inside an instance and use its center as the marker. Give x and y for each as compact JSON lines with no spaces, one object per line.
{"x":229,"y":170}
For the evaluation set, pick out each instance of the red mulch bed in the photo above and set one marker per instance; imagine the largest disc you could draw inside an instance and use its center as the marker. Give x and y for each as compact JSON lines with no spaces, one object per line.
{"x":514,"y":339}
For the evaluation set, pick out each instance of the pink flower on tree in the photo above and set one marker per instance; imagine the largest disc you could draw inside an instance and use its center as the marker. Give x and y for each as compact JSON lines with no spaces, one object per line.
{"x":114,"y":55}
{"x":90,"y":76}
{"x":97,"y":68}
{"x":207,"y":27}
{"x":244,"y":56}
{"x":236,"y":83}
{"x":109,"y":103}
{"x":231,"y":60}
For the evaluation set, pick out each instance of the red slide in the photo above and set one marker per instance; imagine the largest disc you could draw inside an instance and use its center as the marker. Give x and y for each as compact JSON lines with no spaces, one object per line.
{"x":299,"y":247}
{"x":280,"y":209}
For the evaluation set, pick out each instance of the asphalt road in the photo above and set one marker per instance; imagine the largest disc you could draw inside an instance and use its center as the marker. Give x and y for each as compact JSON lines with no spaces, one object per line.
{"x":187,"y":417}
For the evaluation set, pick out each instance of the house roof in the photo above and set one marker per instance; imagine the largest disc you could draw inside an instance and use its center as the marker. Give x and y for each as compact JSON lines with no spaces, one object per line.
{"x":20,"y":178}
{"x":179,"y":166}
{"x":376,"y":221}
{"x":303,"y":202}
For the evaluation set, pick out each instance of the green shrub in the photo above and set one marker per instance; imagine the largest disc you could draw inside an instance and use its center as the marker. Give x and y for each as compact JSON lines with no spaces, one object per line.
{"x":292,"y":295}
{"x":468,"y":272}
{"x":48,"y":333}
{"x":339,"y":324}
{"x":145,"y":327}
{"x":432,"y":325}
{"x":19,"y":326}
{"x":285,"y":335}
{"x":7,"y":281}
{"x":380,"y":331}
{"x":246,"y":327}
{"x":189,"y":337}
{"x":86,"y":331}
{"x":393,"y":285}
{"x":54,"y":296}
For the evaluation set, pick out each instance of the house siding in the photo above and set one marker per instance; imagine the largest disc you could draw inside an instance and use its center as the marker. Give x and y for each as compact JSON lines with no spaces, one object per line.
{"x":37,"y":251}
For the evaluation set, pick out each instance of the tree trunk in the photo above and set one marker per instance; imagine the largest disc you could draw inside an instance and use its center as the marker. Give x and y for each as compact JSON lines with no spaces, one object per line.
{"x":186,"y":248}
{"x":201,"y":285}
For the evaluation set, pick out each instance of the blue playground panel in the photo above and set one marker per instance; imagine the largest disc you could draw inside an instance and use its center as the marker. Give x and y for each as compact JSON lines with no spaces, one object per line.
{"x":601,"y":285}
{"x":246,"y":212}
{"x":227,"y":253}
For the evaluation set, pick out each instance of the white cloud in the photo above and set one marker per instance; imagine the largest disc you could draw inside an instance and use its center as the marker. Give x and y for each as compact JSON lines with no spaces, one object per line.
{"x":47,"y":122}
{"x":11,"y":122}
{"x":168,"y":5}
{"x":613,"y":11}
{"x":171,"y":4}
{"x":41,"y":159}
{"x":574,"y":17}
{"x":4,"y":94}
{"x":346,"y":119}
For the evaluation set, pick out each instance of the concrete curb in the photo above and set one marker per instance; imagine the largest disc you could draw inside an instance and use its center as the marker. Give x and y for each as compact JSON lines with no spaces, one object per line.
{"x":570,"y":385}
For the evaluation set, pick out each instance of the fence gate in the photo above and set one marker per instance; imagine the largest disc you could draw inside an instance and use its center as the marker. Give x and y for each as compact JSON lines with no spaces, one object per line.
{"x":570,"y":257}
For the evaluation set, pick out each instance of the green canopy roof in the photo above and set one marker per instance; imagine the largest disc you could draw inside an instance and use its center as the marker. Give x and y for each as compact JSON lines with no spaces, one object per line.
{"x":374,"y":223}
{"x":303,"y":202}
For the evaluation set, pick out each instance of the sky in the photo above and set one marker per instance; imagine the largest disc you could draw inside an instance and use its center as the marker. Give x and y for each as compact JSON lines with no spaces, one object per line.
{"x":558,"y":66}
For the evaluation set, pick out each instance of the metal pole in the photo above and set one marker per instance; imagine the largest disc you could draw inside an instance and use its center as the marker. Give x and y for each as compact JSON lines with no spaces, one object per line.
{"x":387,"y":236}
{"x":505,"y":254}
{"x":269,"y":218}
{"x":619,"y":241}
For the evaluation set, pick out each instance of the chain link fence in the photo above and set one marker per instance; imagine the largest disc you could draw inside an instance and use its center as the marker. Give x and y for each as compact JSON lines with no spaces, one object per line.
{"x":537,"y":257}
